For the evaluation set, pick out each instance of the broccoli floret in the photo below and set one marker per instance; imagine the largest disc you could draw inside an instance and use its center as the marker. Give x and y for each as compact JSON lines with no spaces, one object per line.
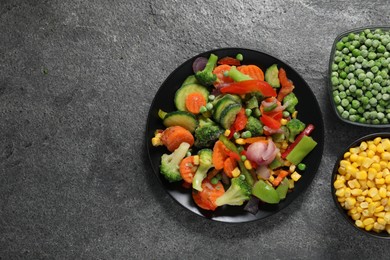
{"x":295,"y":126}
{"x":207,"y":132}
{"x":254,"y":126}
{"x":205,"y":163}
{"x":290,"y":101}
{"x":206,"y":76}
{"x":238,"y":192}
{"x":237,"y":75}
{"x":169,"y":167}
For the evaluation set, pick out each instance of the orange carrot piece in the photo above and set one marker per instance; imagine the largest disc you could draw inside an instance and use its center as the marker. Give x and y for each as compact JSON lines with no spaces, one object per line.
{"x":229,"y":165}
{"x":281,"y":175}
{"x":194,"y":102}
{"x":219,"y":155}
{"x":173,"y":136}
{"x":206,"y":198}
{"x":187,"y":168}
{"x":286,"y":85}
{"x":252,"y":71}
{"x":252,"y":140}
{"x":219,"y":71}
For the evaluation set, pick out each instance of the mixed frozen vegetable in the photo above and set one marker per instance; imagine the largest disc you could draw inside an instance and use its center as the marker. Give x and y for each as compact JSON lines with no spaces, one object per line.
{"x":236,"y":136}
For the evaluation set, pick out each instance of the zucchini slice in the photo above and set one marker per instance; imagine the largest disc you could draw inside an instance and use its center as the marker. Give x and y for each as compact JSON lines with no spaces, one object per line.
{"x":181,"y":118}
{"x":229,"y":114}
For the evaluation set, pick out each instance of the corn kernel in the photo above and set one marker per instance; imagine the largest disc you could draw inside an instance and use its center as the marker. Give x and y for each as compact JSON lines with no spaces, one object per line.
{"x":363,"y":146}
{"x":356,"y":216}
{"x":376,"y":158}
{"x":385,"y":170}
{"x":236,"y":172}
{"x":367,"y":162}
{"x":379,"y":148}
{"x":363,"y":184}
{"x":290,"y":184}
{"x":366,"y":213}
{"x":347,"y":192}
{"x":369,"y":200}
{"x":361,"y":175}
{"x":372,"y":192}
{"x":371,"y":173}
{"x":346,"y":155}
{"x":350,"y":202}
{"x":385,"y":156}
{"x":364,"y":205}
{"x":295,"y":176}
{"x":341,"y":170}
{"x":384,"y":201}
{"x":376,"y":197}
{"x":379,"y":209}
{"x":379,"y":226}
{"x":283,"y":121}
{"x":377,"y":140}
{"x":360,"y":198}
{"x":240,"y":141}
{"x":368,"y":221}
{"x":353,"y":211}
{"x":386,"y":144}
{"x":370,"y":184}
{"x":356,"y":192}
{"x":380,"y":181}
{"x":371,"y":208}
{"x":344,"y":163}
{"x":354,"y":157}
{"x":347,"y":176}
{"x":341,"y":200}
{"x":382,"y":192}
{"x":292,"y":168}
{"x":227,"y":132}
{"x":359,"y":223}
{"x":248,"y":165}
{"x":294,"y":114}
{"x":376,"y":166}
{"x":271,"y":178}
{"x":365,"y":192}
{"x":340,"y":192}
{"x":338,"y":184}
{"x":380,"y":214}
{"x":369,"y":227}
{"x":354,"y":150}
{"x":196,"y":160}
{"x":387,"y":217}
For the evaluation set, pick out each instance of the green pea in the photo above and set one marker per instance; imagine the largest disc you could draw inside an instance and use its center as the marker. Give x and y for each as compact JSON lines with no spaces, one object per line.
{"x":345,"y":114}
{"x":344,"y":102}
{"x":337,"y":99}
{"x":301,"y":166}
{"x":375,"y":69}
{"x":342,"y":64}
{"x":355,"y":104}
{"x":381,"y":49}
{"x":239,"y":57}
{"x":356,"y":53}
{"x":335,"y":67}
{"x":339,"y":45}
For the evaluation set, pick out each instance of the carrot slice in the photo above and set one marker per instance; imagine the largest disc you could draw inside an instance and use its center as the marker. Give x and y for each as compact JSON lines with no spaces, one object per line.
{"x":194,"y":102}
{"x":219,"y":71}
{"x":173,"y":136}
{"x":252,"y":140}
{"x":229,"y":165}
{"x":219,"y":155}
{"x":188,"y":168}
{"x":206,"y":198}
{"x":252,"y":71}
{"x":281,"y":175}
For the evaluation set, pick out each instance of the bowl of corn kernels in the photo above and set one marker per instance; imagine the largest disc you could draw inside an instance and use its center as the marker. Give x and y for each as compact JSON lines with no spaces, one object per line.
{"x":361,"y":184}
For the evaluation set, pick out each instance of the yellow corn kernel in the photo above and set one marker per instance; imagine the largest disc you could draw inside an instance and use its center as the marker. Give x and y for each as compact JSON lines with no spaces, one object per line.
{"x":381,"y":221}
{"x":381,"y":214}
{"x":346,"y":155}
{"x":366,"y":213}
{"x":364,"y":205}
{"x":271,"y":178}
{"x":283,"y":121}
{"x":227,"y":132}
{"x":248,"y":165}
{"x":354,"y":184}
{"x":379,"y":175}
{"x":359,"y":223}
{"x":387,"y":217}
{"x":356,"y":216}
{"x":376,"y":166}
{"x":360,"y":198}
{"x":338,"y":184}
{"x":365,"y":192}
{"x":367,"y":162}
{"x":350,"y":202}
{"x":292,"y":168}
{"x":385,"y":156}
{"x":290,"y":184}
{"x":354,"y":157}
{"x":386,"y":144}
{"x":379,"y":209}
{"x":377,"y":140}
{"x":236,"y":172}
{"x":341,"y":200}
{"x":344,"y":163}
{"x":363,"y":154}
{"x":384,"y":169}
{"x":370,"y":154}
{"x":371,"y":208}
{"x":363,"y":146}
{"x":380,"y":181}
{"x":355,"y":165}
{"x":353,"y":211}
{"x":369,"y":227}
{"x":376,"y":158}
{"x":372,"y":148}
{"x":359,"y":209}
{"x":376,"y":198}
{"x":384,"y":201}
{"x":341,"y":170}
{"x":368,"y":221}
{"x":284,"y":145}
{"x":378,"y":227}
{"x":363,"y":184}
{"x":347,"y":192}
{"x":369,"y":200}
{"x":240,"y":141}
{"x":370,"y":184}
{"x":347,"y":176}
{"x":294,"y":114}
{"x":361,"y":175}
{"x":379,"y":148}
{"x":340,"y":192}
{"x":295,"y":176}
{"x":382,"y":192}
{"x":371,"y":174}
{"x":352,"y":170}
{"x":356,"y":192}
{"x":156,"y":140}
{"x":373,"y":192}
{"x":354,"y":150}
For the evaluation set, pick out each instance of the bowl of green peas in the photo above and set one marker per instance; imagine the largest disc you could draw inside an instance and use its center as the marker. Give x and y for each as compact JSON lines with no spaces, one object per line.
{"x":359,"y":81}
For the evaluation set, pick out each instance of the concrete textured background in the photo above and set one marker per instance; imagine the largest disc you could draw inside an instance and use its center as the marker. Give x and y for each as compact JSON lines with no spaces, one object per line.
{"x":76,"y":82}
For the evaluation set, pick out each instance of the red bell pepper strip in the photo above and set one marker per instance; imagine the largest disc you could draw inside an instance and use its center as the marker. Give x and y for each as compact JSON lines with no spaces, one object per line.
{"x":248,"y":86}
{"x":287,"y":85}
{"x":240,"y":121}
{"x":270,"y":121}
{"x":307,"y":131}
{"x":229,"y":61}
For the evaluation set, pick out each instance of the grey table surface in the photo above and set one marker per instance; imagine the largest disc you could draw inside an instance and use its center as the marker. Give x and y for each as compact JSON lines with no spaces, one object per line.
{"x":77,"y":79}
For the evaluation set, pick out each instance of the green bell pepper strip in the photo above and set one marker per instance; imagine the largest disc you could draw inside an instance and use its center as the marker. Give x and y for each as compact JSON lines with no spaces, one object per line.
{"x":282,"y":189}
{"x":265,"y":192}
{"x":303,"y":148}
{"x":232,"y":147}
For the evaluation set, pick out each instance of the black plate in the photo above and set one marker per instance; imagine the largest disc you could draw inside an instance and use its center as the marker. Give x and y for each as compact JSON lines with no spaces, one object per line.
{"x":309,"y":112}
{"x":343,"y":212}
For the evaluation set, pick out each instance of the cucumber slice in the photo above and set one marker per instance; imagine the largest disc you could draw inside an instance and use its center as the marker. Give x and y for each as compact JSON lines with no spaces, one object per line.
{"x":190,"y":80}
{"x":181,"y":118}
{"x":229,"y":114}
{"x":182,"y":93}
{"x":222,"y":103}
{"x":272,"y":76}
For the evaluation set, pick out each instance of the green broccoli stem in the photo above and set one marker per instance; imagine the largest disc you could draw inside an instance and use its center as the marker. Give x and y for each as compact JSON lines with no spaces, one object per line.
{"x":236,"y":75}
{"x":211,"y":62}
{"x":199,"y":176}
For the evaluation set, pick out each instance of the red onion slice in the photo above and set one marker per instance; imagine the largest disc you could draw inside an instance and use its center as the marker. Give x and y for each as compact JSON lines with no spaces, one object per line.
{"x":199,"y":64}
{"x":263,"y":172}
